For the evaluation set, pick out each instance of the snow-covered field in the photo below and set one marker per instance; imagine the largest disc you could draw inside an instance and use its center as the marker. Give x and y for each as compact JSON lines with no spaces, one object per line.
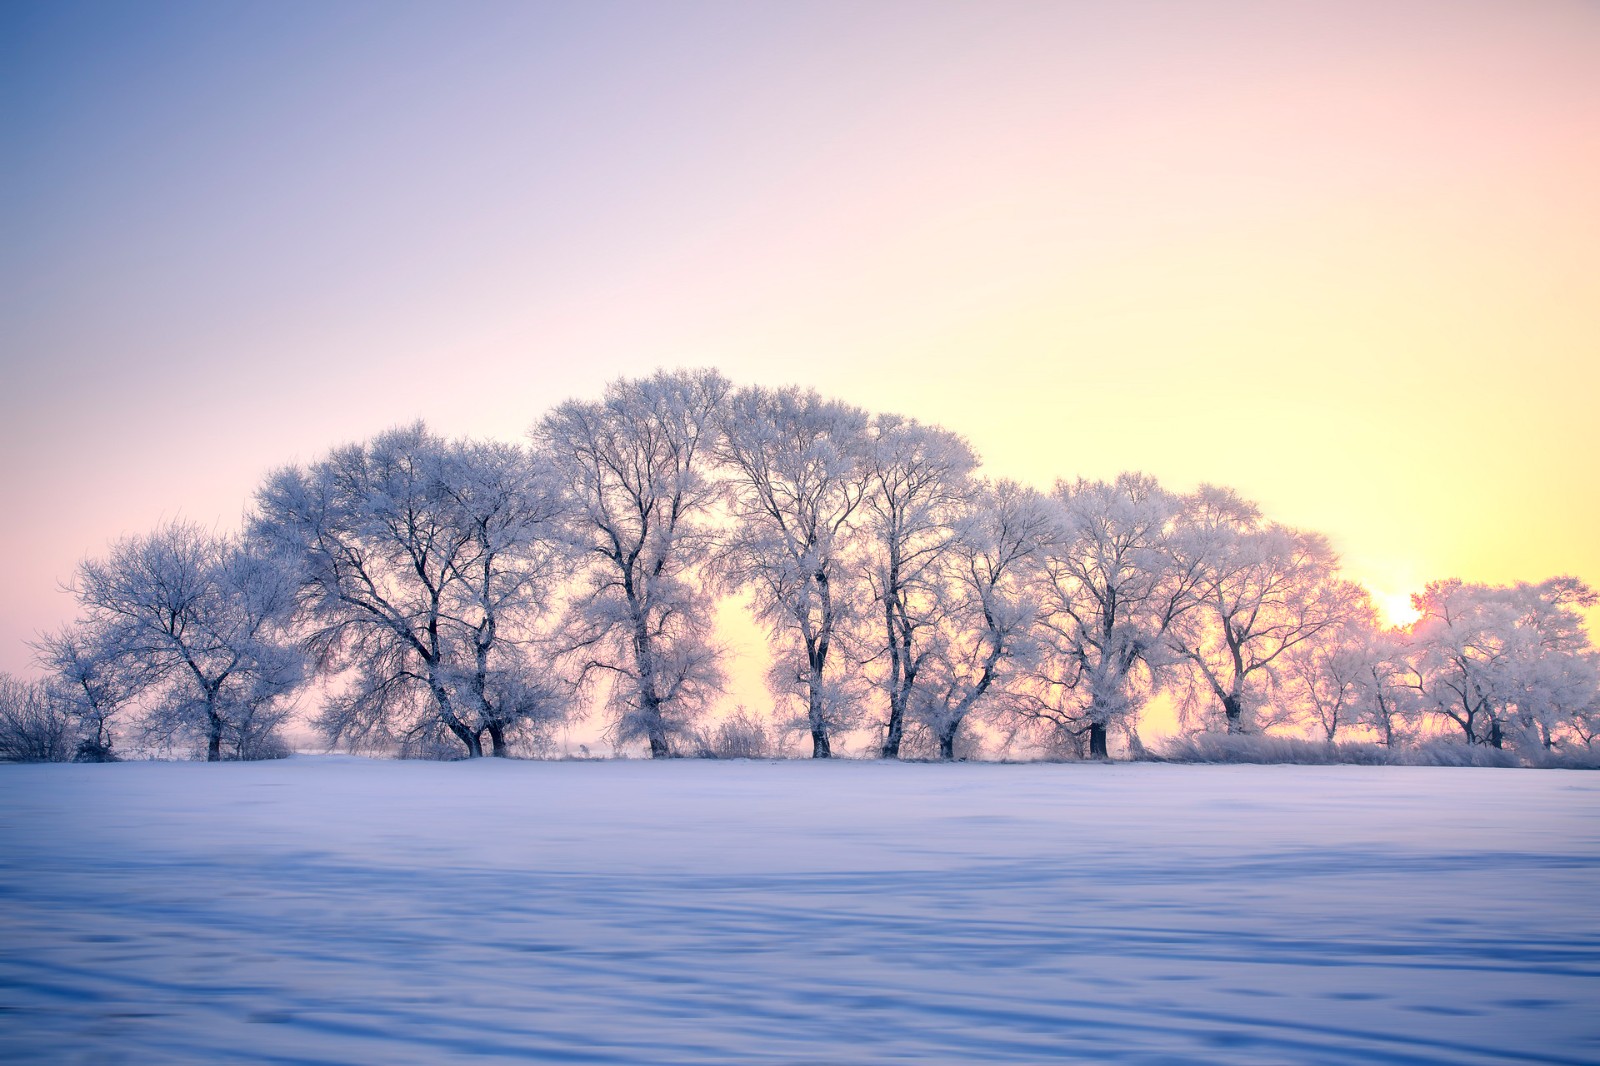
{"x":341,"y":910}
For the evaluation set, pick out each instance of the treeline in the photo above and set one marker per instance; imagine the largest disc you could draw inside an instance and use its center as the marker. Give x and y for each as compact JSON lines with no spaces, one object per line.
{"x":470,"y":597}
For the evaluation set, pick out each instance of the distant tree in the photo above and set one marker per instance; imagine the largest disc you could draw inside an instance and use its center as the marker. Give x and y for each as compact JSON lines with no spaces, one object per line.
{"x":508,"y":505}
{"x":1584,"y":726}
{"x":635,"y":469}
{"x":918,"y":485}
{"x":986,"y":635}
{"x":798,"y":467}
{"x":195,"y":624}
{"x":1504,"y":662}
{"x":34,"y":725}
{"x":425,"y":569}
{"x":1262,"y":589}
{"x":1113,"y":589}
{"x":1556,"y":683}
{"x":95,"y":685}
{"x":1327,"y":680}
{"x":1386,"y":691}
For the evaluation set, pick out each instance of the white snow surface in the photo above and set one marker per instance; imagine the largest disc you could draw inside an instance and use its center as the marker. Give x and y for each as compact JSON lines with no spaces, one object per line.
{"x":342,"y":910}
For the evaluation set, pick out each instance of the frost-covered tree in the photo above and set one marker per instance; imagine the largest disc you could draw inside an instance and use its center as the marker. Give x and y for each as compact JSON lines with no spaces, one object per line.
{"x":1507,"y":662}
{"x":1386,"y":691}
{"x":1584,"y":726}
{"x":425,"y":568}
{"x":508,"y":504}
{"x":798,"y":468}
{"x":918,"y":486}
{"x":1262,"y":589}
{"x":1113,"y":590}
{"x":94,"y":684}
{"x":986,"y":633}
{"x":196,"y":622}
{"x":1556,"y":683}
{"x":635,"y":469}
{"x":1327,"y":681}
{"x":35,"y":726}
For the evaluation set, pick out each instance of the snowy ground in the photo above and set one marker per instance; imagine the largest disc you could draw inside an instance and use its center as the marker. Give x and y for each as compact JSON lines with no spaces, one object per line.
{"x":341,"y":910}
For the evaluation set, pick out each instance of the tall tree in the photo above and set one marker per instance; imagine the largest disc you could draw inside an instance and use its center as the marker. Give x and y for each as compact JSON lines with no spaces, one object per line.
{"x":635,"y":469}
{"x":1327,"y":680}
{"x":1114,"y":590}
{"x":95,"y":685}
{"x":197,"y":621}
{"x":507,"y":505}
{"x":918,"y":484}
{"x":1386,"y":692}
{"x":1504,"y":662}
{"x":1262,"y":589}
{"x":986,"y":634}
{"x":798,"y":468}
{"x":424,"y":568}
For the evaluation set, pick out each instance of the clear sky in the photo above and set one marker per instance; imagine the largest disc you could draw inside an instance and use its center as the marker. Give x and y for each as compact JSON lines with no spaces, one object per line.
{"x":1342,"y":256}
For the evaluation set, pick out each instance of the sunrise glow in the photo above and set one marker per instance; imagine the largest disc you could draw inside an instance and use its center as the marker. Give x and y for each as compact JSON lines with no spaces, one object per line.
{"x":1395,"y":608}
{"x":1341,"y":257}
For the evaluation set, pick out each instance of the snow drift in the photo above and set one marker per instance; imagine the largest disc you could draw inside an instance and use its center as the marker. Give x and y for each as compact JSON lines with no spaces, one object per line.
{"x":332,"y":909}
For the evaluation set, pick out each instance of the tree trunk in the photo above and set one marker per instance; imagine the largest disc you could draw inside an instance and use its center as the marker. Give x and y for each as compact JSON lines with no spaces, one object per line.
{"x":1496,"y":735}
{"x":897,"y":728}
{"x":654,"y":729}
{"x":897,"y":721}
{"x":1233,"y":710}
{"x":452,"y":721}
{"x":1097,"y":741}
{"x":214,"y":740}
{"x":497,"y":738}
{"x":947,"y":742}
{"x":644,"y":659}
{"x":659,"y":747}
{"x":820,"y":747}
{"x":468,"y":738}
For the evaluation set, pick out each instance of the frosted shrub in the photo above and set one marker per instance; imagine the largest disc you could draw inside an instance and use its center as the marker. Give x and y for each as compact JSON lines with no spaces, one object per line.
{"x":1570,"y":759}
{"x":741,"y":736}
{"x":1455,"y":753}
{"x":1259,"y":748}
{"x":268,"y":745}
{"x":92,"y":750}
{"x":431,"y":742}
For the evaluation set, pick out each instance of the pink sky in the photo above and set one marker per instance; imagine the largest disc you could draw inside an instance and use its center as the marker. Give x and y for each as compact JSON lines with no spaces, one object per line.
{"x":1344,"y":257}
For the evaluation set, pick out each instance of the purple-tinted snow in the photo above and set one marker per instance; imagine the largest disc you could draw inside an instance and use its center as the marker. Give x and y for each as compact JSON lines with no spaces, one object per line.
{"x":342,"y":910}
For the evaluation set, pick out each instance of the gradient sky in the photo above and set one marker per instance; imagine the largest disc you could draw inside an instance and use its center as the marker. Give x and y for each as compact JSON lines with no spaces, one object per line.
{"x":1342,"y":256}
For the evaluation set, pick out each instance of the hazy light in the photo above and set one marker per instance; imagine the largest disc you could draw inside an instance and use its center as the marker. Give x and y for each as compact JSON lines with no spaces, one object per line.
{"x":1340,"y":256}
{"x":1395,"y":609}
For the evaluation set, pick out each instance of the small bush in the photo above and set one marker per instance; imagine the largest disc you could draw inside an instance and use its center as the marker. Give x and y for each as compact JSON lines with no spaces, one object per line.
{"x":432,"y":742}
{"x":262,"y":747}
{"x":1455,"y":753}
{"x":740,"y":736}
{"x":1260,"y":748}
{"x":1570,"y":759}
{"x":92,"y":750}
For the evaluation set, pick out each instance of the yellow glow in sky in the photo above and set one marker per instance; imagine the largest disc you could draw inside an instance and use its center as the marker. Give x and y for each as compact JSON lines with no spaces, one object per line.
{"x":1344,"y":257}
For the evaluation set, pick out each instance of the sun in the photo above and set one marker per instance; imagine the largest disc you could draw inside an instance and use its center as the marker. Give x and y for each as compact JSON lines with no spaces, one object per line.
{"x":1395,"y":608}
